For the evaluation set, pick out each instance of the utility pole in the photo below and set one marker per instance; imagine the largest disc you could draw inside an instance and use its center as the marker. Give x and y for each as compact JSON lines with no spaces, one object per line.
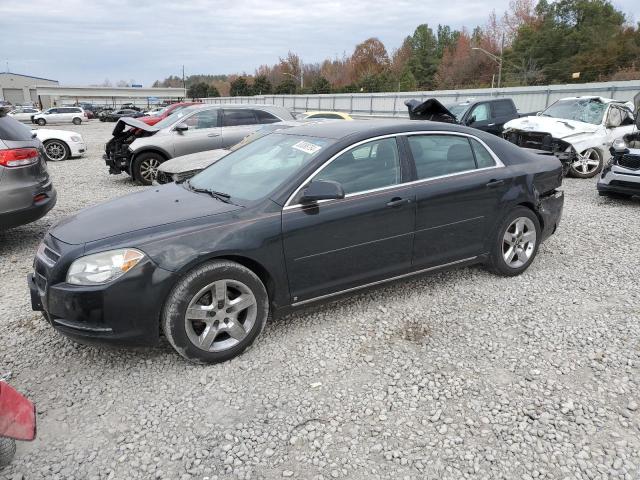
{"x":500,"y":63}
{"x":184,"y":85}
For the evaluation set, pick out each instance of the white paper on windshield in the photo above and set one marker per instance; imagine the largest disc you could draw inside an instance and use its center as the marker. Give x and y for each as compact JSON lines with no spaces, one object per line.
{"x":306,"y":147}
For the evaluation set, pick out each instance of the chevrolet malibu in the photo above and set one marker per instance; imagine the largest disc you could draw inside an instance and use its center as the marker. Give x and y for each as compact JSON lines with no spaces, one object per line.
{"x":298,"y":216}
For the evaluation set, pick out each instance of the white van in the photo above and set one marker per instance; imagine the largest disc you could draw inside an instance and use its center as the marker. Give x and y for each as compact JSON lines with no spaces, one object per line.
{"x":73,"y":115}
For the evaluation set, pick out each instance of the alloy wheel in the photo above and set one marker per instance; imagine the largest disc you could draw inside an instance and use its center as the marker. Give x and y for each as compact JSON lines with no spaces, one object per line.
{"x":220,"y":315}
{"x":149,"y":169}
{"x":587,"y":163}
{"x":519,"y":242}
{"x":55,"y":151}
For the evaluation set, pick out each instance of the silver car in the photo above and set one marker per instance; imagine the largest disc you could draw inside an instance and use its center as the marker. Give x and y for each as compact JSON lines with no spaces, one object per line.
{"x":138,"y":149}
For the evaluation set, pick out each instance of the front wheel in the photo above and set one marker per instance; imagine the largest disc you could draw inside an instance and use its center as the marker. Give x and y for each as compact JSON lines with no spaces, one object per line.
{"x":145,"y":167}
{"x":516,"y":243}
{"x":586,"y":164}
{"x":215,"y":312}
{"x":7,"y":451}
{"x":56,"y":150}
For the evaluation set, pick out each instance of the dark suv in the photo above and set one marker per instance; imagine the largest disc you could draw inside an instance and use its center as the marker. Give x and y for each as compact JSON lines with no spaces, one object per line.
{"x":26,"y":191}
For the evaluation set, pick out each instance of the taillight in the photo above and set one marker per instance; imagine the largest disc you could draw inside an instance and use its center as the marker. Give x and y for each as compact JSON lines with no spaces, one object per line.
{"x":18,"y":157}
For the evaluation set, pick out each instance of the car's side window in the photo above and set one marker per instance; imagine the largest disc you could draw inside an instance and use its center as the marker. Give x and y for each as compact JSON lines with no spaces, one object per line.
{"x":234,"y":118}
{"x":615,"y":117}
{"x":438,"y":155}
{"x":483,"y":157}
{"x":481,"y":112}
{"x":265,"y":117}
{"x":373,"y":165}
{"x":203,"y":119}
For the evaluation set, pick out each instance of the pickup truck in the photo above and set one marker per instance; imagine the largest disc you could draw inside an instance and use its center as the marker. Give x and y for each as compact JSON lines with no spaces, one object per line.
{"x":489,"y":115}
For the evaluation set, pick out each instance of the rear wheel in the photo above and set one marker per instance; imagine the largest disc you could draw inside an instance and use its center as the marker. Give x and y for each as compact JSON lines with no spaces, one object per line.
{"x":587,"y":164}
{"x":77,"y":121}
{"x":516,"y":243}
{"x":41,"y":121}
{"x":145,"y":167}
{"x":56,"y":150}
{"x":215,"y":312}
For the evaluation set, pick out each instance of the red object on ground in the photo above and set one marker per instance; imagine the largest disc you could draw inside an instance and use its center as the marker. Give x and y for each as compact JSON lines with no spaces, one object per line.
{"x":170,"y":109}
{"x":17,"y":414}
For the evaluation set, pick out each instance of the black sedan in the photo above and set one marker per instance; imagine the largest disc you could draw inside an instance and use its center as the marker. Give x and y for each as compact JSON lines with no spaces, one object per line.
{"x":296,"y":217}
{"x":118,"y":114}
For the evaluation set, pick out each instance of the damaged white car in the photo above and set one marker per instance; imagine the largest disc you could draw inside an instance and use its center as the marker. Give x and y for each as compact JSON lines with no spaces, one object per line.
{"x":578,"y":130}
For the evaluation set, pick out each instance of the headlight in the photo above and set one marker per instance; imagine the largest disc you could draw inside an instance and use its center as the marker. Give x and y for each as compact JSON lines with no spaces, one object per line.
{"x":76,"y":138}
{"x":619,"y":144}
{"x":103,"y":267}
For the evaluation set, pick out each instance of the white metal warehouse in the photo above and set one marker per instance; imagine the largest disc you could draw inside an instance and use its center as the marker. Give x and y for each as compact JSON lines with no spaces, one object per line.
{"x":18,"y":89}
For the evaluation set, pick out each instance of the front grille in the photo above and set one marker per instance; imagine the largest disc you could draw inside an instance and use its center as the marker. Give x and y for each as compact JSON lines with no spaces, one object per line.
{"x":622,"y":183}
{"x":537,"y":141}
{"x":632,"y":162}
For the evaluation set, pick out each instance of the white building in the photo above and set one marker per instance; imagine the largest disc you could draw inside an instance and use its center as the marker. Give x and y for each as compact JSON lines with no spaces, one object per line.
{"x":18,"y":89}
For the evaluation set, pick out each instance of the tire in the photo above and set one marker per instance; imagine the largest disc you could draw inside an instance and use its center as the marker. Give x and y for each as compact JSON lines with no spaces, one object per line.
{"x":76,"y":121}
{"x":145,"y":167}
{"x":7,"y":451}
{"x":587,"y":165}
{"x":41,"y":121}
{"x":502,"y":248}
{"x":56,"y":150}
{"x":204,"y":331}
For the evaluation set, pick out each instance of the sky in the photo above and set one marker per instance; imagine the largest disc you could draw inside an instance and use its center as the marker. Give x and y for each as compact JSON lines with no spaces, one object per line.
{"x":83,"y":42}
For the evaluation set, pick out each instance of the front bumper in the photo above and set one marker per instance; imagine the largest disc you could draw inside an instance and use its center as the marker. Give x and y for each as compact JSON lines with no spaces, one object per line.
{"x":125,"y":312}
{"x":77,"y":149}
{"x":550,"y":209}
{"x":616,"y":179}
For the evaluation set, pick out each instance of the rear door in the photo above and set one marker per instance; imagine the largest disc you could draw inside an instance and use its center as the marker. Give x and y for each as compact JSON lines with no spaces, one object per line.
{"x":237,"y":123}
{"x":204,"y":133}
{"x":458,"y":190}
{"x":501,"y":112}
{"x":335,"y":245}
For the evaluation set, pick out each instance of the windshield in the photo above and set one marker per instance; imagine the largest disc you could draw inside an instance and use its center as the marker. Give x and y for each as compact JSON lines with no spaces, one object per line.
{"x":258,"y":168}
{"x":264,"y":131}
{"x":588,"y":110}
{"x":458,"y":109}
{"x":177,"y":114}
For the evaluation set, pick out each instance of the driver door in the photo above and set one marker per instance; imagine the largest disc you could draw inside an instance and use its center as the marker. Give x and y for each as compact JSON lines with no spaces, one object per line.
{"x":367,"y":236}
{"x":203,"y":133}
{"x":481,"y":114}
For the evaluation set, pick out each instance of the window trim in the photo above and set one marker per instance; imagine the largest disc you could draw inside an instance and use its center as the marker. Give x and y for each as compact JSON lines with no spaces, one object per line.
{"x":499,"y":164}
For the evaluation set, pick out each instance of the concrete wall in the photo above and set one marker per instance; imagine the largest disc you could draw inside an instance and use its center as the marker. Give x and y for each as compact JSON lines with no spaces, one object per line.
{"x":391,"y":104}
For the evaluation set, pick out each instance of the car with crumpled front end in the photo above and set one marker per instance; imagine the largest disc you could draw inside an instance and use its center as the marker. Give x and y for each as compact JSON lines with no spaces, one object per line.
{"x":26,"y":190}
{"x":138,"y":149}
{"x":578,"y":130}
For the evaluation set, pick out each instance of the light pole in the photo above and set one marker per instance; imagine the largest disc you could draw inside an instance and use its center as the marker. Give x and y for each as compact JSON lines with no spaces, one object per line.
{"x":301,"y":78}
{"x":496,"y":58}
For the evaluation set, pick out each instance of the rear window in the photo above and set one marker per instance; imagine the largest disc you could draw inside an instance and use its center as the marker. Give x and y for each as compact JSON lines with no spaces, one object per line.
{"x":12,"y":130}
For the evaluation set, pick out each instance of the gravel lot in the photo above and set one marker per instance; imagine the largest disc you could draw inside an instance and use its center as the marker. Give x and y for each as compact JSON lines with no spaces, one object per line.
{"x":457,"y":375}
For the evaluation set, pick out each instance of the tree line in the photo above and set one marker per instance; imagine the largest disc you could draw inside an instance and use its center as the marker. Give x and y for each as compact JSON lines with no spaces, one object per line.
{"x":539,"y":42}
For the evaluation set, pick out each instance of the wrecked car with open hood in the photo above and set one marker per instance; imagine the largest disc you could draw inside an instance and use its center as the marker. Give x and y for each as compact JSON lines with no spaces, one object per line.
{"x":138,"y":149}
{"x":489,"y":114}
{"x":578,"y":130}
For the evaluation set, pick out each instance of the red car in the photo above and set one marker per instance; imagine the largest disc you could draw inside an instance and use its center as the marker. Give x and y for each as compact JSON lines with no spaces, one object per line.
{"x":152,"y":120}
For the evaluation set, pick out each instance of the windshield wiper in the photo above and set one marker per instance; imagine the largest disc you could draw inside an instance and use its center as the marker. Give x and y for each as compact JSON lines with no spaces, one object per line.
{"x":223,"y":197}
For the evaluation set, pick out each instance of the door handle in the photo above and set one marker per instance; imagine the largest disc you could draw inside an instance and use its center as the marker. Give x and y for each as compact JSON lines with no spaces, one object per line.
{"x":213,"y":135}
{"x":495,"y":183}
{"x":397,"y":202}
{"x":491,"y":125}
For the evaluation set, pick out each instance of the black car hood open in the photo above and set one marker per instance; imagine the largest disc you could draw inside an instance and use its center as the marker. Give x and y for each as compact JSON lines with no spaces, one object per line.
{"x":153,"y":207}
{"x":430,"y":109}
{"x":125,"y":122}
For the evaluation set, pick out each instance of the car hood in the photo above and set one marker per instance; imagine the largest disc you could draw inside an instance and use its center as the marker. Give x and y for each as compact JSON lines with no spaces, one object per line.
{"x":152,"y":207}
{"x":46,"y":133}
{"x":430,"y":109}
{"x":558,"y":127}
{"x":193,"y":161}
{"x":125,"y":122}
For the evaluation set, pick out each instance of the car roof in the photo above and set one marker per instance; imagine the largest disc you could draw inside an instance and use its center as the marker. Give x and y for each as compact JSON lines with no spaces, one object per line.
{"x":372,"y":128}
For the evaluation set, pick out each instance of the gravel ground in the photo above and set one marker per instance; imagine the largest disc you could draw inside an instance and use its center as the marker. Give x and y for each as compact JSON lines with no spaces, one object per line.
{"x":457,"y":375}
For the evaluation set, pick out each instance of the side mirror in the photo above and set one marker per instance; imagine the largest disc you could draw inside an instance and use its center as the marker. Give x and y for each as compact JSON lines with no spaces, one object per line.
{"x":182,"y":127}
{"x":471,"y":119}
{"x":322,"y":190}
